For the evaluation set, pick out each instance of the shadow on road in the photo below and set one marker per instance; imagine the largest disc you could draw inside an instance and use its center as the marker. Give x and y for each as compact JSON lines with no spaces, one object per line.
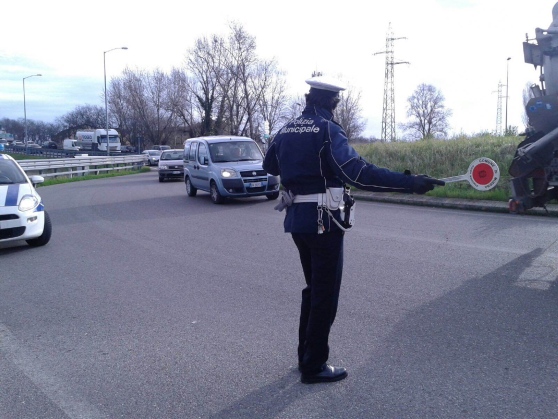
{"x":270,"y":400}
{"x":486,"y":349}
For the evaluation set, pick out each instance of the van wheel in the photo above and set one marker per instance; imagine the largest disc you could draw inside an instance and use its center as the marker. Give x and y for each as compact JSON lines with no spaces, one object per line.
{"x":161,"y":179}
{"x":45,"y":237}
{"x":272,"y":196}
{"x":190,"y":190}
{"x":216,"y":197}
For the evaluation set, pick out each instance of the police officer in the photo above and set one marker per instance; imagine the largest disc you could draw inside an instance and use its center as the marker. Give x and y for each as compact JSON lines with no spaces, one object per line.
{"x":312,"y":155}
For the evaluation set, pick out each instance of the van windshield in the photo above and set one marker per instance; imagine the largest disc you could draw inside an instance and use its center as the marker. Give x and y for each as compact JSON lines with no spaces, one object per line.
{"x":112,"y":138}
{"x":233,"y":151}
{"x":172,"y":155}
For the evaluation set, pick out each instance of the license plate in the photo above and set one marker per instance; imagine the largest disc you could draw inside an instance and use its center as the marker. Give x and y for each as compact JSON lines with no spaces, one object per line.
{"x":176,"y":172}
{"x":256,"y":184}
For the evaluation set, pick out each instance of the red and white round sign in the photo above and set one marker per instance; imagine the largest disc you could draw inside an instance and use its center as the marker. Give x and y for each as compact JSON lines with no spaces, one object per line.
{"x":483,"y":174}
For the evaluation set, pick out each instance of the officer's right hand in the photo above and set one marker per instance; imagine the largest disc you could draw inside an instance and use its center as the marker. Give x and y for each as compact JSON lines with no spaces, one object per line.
{"x":425,"y":183}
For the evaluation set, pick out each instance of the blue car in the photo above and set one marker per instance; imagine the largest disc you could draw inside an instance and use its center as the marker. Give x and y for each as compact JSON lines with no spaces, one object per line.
{"x":227,"y":167}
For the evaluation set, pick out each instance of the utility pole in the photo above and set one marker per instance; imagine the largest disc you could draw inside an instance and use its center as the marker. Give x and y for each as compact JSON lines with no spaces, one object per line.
{"x":499,"y":110}
{"x":388,"y":109}
{"x":507,"y":84}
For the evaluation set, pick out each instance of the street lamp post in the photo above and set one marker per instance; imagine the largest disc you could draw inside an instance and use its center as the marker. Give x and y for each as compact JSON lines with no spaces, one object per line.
{"x":507,"y":88}
{"x":25,"y":110}
{"x":106,"y":97}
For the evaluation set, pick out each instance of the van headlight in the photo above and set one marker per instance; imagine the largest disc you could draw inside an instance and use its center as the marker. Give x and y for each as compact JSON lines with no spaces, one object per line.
{"x":163,"y":166}
{"x":227,"y":173}
{"x":28,"y":202}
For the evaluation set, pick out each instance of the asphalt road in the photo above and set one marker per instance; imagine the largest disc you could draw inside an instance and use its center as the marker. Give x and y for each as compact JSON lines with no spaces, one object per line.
{"x":150,"y":304}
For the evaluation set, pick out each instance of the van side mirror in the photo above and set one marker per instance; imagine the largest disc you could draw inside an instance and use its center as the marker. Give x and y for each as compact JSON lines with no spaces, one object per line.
{"x":205,"y":161}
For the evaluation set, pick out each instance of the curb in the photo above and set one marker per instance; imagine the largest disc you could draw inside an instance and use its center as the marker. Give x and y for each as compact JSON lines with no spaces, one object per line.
{"x":454,"y":203}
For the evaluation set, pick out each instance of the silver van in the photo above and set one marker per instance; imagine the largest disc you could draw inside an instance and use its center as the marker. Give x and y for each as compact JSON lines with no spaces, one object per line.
{"x":227,"y":167}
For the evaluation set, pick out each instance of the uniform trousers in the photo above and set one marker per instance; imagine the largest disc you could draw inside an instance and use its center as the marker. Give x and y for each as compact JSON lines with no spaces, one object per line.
{"x":321,"y":256}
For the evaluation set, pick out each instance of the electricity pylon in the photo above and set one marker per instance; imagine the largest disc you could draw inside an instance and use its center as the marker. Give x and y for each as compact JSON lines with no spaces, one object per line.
{"x":499,"y":110}
{"x":388,"y":109}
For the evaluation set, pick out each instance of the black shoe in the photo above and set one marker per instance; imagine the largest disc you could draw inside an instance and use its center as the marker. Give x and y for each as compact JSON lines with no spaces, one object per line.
{"x":328,"y":374}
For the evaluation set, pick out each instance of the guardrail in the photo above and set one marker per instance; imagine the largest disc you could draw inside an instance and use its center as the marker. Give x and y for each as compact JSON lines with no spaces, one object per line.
{"x":80,"y":165}
{"x":57,"y":152}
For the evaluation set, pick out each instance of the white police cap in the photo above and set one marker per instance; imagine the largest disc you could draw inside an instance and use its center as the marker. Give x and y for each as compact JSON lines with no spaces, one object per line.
{"x":325,"y":83}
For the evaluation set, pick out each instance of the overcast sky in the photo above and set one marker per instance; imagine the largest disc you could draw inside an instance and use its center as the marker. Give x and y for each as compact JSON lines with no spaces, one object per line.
{"x":459,"y":46}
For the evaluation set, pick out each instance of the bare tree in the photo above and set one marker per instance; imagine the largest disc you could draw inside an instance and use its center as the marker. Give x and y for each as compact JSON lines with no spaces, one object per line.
{"x":236,"y":91}
{"x":163,"y":122}
{"x":294,"y":107}
{"x":206,"y":63}
{"x":429,"y":116}
{"x":137,"y":104}
{"x":149,"y":105}
{"x":120,"y":114}
{"x":274,"y":104}
{"x":223,"y":88}
{"x":85,"y":116}
{"x":184,"y":103}
{"x":349,"y":113}
{"x":242,"y":92}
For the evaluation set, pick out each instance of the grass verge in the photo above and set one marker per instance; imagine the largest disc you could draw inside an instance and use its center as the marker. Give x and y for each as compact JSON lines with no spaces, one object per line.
{"x":446,"y":158}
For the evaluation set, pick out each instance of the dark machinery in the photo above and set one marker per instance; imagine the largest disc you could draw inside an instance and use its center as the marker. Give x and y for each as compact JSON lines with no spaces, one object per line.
{"x":534,"y":168}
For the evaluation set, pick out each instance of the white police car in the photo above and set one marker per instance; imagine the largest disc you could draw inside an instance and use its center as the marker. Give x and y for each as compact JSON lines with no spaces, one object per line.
{"x":22,"y":213}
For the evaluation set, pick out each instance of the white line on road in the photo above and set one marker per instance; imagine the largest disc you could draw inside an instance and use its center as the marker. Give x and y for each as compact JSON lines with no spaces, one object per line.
{"x":56,"y":390}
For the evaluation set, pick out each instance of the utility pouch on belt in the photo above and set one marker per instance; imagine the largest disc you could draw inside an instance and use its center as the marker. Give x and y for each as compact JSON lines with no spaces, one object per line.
{"x":332,"y":200}
{"x":348,"y":210}
{"x":340,"y":198}
{"x":334,"y":197}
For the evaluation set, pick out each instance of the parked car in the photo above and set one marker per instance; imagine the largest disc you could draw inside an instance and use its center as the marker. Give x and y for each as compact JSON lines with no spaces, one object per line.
{"x":151,"y":157}
{"x":171,"y":164}
{"x":33,"y":145}
{"x":127,"y":149}
{"x":22,"y":213}
{"x":227,"y":166}
{"x":161,"y":147}
{"x":50,"y":144}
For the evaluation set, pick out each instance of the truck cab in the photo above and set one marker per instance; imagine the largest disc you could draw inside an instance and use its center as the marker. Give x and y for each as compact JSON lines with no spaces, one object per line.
{"x":96,"y":140}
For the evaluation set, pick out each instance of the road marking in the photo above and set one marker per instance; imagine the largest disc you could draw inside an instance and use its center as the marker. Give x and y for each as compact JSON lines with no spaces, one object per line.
{"x":55,"y":389}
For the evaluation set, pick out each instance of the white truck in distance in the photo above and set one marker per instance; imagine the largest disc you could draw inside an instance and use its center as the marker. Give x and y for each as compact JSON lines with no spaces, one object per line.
{"x":96,"y":140}
{"x":69,"y":144}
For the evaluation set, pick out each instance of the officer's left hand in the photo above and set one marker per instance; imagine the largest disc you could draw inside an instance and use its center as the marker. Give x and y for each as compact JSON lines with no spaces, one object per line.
{"x":425,"y":183}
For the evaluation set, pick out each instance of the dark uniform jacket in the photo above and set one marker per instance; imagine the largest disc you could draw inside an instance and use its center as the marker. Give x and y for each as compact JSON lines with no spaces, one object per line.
{"x":311,"y":153}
